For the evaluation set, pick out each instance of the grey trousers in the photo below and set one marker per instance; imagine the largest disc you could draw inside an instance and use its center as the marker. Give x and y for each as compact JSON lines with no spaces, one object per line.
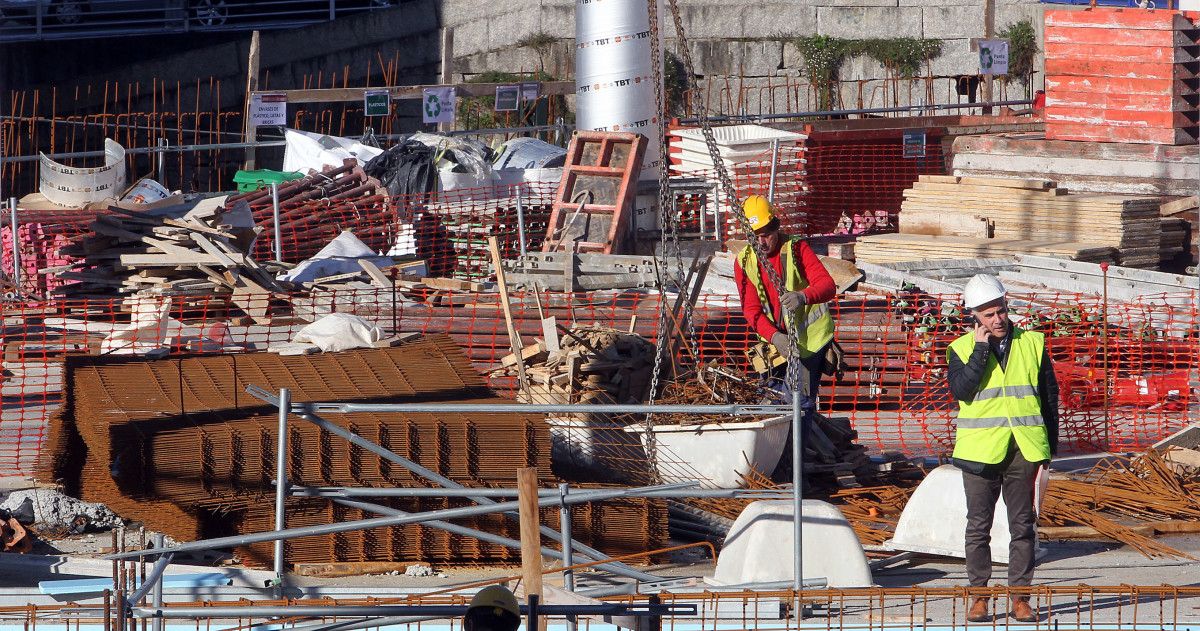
{"x":1014,"y":477}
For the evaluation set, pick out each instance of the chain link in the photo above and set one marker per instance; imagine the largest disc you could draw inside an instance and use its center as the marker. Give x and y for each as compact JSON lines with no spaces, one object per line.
{"x":795,"y":378}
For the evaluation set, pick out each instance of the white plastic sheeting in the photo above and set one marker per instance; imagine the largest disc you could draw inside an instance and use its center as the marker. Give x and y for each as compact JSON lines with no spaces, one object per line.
{"x":614,"y":73}
{"x":339,"y":332}
{"x":339,"y":256}
{"x":304,"y":151}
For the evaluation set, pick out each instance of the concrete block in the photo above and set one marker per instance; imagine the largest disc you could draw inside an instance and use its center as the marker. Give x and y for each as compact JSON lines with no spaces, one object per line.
{"x":855,"y":22}
{"x":856,"y":3}
{"x":956,"y":21}
{"x":957,"y":58}
{"x":777,"y":19}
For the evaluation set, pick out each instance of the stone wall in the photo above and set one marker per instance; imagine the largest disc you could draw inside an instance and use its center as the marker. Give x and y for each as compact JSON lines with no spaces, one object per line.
{"x":738,"y":47}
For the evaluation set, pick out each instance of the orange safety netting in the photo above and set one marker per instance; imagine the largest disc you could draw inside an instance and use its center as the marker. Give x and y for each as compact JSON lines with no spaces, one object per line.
{"x":893,"y":387}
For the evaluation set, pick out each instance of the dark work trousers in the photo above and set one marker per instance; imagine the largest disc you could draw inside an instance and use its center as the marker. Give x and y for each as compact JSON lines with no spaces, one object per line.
{"x":776,"y":380}
{"x":1014,"y":477}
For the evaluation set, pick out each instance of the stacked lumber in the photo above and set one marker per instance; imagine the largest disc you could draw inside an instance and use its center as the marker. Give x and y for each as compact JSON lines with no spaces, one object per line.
{"x":896,"y":248}
{"x":1121,"y":75}
{"x":1013,"y":210}
{"x":166,"y":252}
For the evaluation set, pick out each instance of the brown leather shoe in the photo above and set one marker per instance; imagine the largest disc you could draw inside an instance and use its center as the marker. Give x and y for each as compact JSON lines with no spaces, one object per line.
{"x":1021,"y":611}
{"x":979,"y":611}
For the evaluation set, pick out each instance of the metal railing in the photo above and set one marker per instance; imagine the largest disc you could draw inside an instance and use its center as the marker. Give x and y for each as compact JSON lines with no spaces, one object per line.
{"x":30,"y":20}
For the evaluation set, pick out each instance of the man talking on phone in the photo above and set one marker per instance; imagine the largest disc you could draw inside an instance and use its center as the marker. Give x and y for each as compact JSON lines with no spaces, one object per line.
{"x":1007,"y":428}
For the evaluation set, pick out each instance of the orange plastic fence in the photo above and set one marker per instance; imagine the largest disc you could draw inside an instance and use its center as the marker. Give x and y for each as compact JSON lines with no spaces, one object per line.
{"x":893,"y":387}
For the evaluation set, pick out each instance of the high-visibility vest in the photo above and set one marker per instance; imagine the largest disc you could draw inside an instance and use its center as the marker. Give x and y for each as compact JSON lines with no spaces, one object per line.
{"x":817,"y":330}
{"x":1006,"y":406}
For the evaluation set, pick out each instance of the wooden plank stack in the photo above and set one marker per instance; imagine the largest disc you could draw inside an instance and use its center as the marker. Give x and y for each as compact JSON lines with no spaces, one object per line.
{"x":1121,"y":75}
{"x":197,"y":253}
{"x":949,"y":216}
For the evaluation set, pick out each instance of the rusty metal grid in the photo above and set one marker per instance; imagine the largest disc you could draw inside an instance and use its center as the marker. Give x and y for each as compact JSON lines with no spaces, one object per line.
{"x":178,"y":445}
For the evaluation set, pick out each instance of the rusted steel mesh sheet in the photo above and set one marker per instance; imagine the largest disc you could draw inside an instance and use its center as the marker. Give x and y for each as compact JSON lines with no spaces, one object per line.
{"x":180,"y":446}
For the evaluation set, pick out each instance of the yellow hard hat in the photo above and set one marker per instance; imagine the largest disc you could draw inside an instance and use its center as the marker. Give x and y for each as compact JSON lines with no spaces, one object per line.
{"x":759,"y":211}
{"x":496,"y":597}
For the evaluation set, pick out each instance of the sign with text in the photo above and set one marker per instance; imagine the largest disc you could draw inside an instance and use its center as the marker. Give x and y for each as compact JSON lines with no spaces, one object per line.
{"x":268,"y":109}
{"x":508,"y":97}
{"x":914,"y":143}
{"x":377,"y":102}
{"x":530,"y":91}
{"x":437,"y":106}
{"x":993,"y":56}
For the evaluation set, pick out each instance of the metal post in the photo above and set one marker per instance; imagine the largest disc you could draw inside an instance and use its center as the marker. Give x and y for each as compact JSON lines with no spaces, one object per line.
{"x":275,"y":236}
{"x":163,"y":143}
{"x":774,"y":163}
{"x":797,"y":502}
{"x":564,"y":520}
{"x":521,"y":220}
{"x":281,"y":485}
{"x":16,"y":245}
{"x":1104,"y":350}
{"x":157,"y":598}
{"x":532,"y":622}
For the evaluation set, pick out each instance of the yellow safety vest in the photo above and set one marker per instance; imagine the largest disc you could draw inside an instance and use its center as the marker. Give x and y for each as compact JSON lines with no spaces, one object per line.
{"x":1006,"y":404}
{"x":817,"y":331}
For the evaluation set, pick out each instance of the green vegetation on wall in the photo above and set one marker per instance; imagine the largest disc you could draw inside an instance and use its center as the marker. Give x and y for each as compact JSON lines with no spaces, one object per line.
{"x":824,"y":55}
{"x":1022,"y":49}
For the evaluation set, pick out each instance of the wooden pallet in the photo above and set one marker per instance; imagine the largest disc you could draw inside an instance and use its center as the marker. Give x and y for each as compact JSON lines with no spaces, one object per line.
{"x":595,"y":198}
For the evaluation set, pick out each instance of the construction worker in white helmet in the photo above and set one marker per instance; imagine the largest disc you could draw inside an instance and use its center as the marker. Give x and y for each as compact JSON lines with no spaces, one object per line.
{"x":1006,"y":430}
{"x":493,"y":608}
{"x":807,"y":287}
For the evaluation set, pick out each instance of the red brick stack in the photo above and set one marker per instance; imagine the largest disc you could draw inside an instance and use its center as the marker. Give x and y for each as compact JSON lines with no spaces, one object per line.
{"x":1121,"y":75}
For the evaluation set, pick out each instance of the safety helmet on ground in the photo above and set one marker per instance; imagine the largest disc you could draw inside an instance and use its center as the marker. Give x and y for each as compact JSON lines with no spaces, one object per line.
{"x":759,"y":211}
{"x":982,"y":289}
{"x":496,"y":597}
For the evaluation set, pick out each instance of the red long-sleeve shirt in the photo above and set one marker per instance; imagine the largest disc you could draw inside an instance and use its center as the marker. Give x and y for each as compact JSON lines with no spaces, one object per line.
{"x":820,"y":288}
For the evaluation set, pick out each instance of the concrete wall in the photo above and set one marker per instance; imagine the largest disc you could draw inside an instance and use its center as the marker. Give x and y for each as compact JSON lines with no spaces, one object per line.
{"x":748,"y":43}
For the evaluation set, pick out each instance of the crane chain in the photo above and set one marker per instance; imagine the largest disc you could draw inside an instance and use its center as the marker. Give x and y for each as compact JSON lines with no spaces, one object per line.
{"x":794,"y":324}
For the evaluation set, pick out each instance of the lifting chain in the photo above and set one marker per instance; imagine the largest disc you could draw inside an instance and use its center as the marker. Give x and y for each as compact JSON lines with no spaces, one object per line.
{"x":795,"y":377}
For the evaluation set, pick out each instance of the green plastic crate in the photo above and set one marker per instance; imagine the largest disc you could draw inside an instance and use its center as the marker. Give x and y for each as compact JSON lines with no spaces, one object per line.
{"x":248,"y":181}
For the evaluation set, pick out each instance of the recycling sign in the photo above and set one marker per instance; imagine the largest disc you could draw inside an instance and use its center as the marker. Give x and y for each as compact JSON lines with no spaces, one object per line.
{"x":993,"y":56}
{"x":437,"y":106}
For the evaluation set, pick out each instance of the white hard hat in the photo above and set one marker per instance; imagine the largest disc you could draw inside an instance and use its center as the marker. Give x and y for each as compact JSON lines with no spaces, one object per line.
{"x":982,"y":289}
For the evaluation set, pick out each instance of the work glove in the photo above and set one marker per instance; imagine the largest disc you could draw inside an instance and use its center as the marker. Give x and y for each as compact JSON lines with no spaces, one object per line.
{"x":793,"y":300}
{"x":782,"y":343}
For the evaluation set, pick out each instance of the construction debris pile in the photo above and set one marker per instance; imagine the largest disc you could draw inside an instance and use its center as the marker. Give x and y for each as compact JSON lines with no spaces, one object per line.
{"x":172,"y":251}
{"x":998,"y":216}
{"x":119,"y":443}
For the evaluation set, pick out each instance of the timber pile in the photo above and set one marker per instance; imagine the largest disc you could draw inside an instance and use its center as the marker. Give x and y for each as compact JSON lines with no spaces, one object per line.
{"x":1018,"y":209}
{"x":591,"y":364}
{"x":898,"y":248}
{"x":200,"y":253}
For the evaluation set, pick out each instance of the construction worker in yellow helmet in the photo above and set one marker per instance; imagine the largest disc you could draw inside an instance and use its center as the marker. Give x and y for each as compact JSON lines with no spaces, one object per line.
{"x":807,"y":288}
{"x":493,"y":608}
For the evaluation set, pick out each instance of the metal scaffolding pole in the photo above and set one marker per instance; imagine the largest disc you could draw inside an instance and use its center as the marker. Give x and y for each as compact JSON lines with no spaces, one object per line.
{"x":349,"y":492}
{"x":440,"y":611}
{"x":363,"y":524}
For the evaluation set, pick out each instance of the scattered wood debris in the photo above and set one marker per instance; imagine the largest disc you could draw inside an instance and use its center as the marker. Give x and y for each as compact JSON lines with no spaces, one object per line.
{"x":171,"y":252}
{"x":593,"y":364}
